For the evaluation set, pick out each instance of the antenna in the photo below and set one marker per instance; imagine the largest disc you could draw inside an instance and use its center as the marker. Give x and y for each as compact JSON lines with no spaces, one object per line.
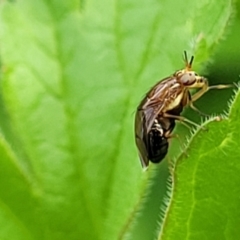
{"x":188,"y":64}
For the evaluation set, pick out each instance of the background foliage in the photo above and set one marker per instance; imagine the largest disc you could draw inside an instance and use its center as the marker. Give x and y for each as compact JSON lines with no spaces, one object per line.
{"x":73,"y":73}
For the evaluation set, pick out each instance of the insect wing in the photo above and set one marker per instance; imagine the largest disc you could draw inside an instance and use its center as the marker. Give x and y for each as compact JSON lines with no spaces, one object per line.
{"x":140,"y":138}
{"x":147,"y":112}
{"x":157,"y":99}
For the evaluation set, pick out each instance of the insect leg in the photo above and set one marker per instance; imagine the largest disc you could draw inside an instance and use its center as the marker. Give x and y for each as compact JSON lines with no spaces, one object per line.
{"x":197,"y":110}
{"x":220,"y":86}
{"x":198,"y":94}
{"x":201,"y":92}
{"x":206,"y":88}
{"x":182,"y":119}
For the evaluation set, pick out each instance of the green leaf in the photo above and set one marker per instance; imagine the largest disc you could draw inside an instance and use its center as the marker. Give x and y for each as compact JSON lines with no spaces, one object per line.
{"x":15,"y":217}
{"x":206,"y":186}
{"x":62,"y":89}
{"x":73,"y":74}
{"x":147,"y":221}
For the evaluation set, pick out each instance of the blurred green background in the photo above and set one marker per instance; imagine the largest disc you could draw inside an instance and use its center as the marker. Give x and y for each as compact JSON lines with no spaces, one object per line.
{"x":224,"y":68}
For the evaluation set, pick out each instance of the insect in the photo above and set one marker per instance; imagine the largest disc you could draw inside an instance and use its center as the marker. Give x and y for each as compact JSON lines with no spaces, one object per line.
{"x":162,"y":105}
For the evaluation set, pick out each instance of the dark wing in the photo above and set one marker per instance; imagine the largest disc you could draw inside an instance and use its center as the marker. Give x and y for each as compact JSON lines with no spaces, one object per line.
{"x":157,"y":99}
{"x":148,"y":110}
{"x":140,"y":138}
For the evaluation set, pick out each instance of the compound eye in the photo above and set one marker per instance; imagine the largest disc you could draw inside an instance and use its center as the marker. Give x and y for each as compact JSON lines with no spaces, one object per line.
{"x":188,"y":79}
